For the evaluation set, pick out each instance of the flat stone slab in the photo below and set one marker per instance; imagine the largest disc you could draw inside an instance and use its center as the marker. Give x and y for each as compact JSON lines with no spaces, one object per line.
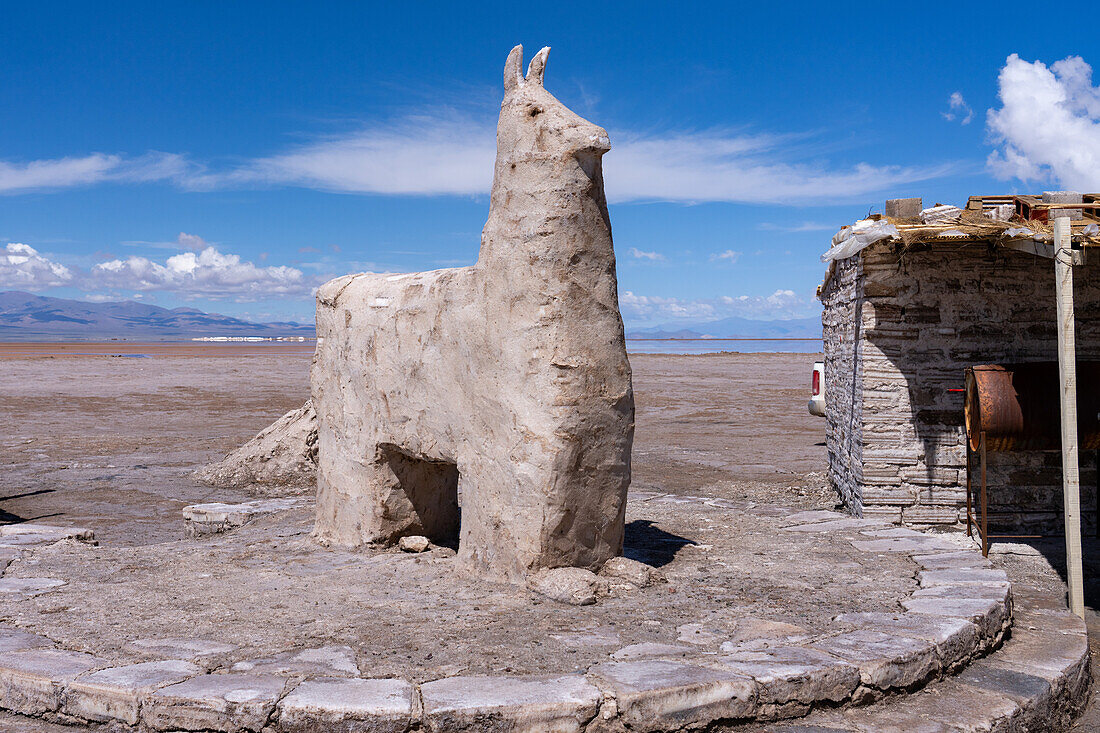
{"x":953,"y":709}
{"x":961,"y":576}
{"x":189,"y":649}
{"x":220,"y":702}
{"x":31,"y":680}
{"x":952,"y":560}
{"x":329,"y":661}
{"x":755,"y":632}
{"x":29,"y":586}
{"x":702,"y":634}
{"x":564,"y":703}
{"x":203,"y":519}
{"x":832,"y":525}
{"x":349,"y":706}
{"x":655,"y":695}
{"x":813,"y":516}
{"x":902,"y":544}
{"x":1060,"y":654}
{"x":795,"y":674}
{"x":884,"y":531}
{"x":998,"y":591}
{"x":885,"y":661}
{"x":18,"y":535}
{"x":651,"y":649}
{"x":956,"y":639}
{"x":12,"y":640}
{"x":115,"y":693}
{"x":990,"y":615}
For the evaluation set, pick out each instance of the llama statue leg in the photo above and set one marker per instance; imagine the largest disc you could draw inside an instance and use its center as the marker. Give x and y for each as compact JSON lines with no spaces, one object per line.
{"x":390,"y":495}
{"x":560,"y":504}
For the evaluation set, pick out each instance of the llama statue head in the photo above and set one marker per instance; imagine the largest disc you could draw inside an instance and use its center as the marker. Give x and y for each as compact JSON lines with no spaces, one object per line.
{"x":548,"y":170}
{"x":536,"y":121}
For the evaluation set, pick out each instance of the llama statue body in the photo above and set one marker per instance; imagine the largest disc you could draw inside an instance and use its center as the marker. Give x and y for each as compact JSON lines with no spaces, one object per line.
{"x":508,"y":378}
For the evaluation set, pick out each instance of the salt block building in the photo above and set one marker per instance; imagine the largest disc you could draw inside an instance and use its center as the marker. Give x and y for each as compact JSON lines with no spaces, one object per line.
{"x":911,"y":299}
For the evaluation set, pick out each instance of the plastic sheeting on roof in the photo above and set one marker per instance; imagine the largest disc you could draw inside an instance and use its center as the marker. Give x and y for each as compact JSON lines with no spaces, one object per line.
{"x":942,"y":214}
{"x":852,"y":240}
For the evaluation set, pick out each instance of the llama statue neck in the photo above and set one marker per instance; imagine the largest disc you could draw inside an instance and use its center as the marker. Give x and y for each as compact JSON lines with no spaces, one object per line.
{"x":547,"y":184}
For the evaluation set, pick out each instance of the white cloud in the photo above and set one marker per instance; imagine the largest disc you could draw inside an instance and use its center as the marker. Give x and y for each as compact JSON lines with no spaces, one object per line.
{"x":1048,"y":126}
{"x":418,"y":155}
{"x":729,"y":255}
{"x":450,"y":156}
{"x":182,"y":241}
{"x":651,"y":256}
{"x":454,"y":154}
{"x":643,"y":310}
{"x":720,"y":166}
{"x":95,"y":168}
{"x":208,"y":273}
{"x":958,"y":109}
{"x":806,"y":226}
{"x":22,"y":267}
{"x":191,"y":241}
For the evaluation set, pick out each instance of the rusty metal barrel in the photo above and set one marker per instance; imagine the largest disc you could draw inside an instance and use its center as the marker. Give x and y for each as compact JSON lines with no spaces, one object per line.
{"x":1016,"y":405}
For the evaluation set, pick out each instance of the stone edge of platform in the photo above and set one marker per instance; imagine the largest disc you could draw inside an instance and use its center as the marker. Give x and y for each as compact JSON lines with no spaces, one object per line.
{"x":962,"y":610}
{"x":1038,"y":680}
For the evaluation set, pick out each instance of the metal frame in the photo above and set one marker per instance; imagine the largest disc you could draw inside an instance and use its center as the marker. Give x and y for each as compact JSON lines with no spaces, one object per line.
{"x":980,"y":523}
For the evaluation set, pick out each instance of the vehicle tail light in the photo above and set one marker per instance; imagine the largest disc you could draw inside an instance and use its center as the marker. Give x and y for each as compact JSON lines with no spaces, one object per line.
{"x":816,"y":383}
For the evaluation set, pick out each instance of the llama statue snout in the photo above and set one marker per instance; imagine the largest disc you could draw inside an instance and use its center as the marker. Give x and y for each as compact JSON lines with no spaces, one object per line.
{"x":506,"y":382}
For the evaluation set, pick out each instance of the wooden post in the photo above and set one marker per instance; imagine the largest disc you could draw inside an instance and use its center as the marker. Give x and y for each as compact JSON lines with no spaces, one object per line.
{"x":1067,"y":373}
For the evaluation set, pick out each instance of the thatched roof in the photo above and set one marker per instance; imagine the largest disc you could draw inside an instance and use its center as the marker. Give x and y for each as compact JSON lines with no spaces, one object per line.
{"x":1020,"y":222}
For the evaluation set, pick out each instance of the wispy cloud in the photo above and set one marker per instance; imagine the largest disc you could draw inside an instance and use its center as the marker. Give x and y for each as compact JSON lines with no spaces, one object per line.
{"x":729,"y":256}
{"x":1048,"y":126}
{"x":115,"y":297}
{"x":958,"y":109}
{"x":806,"y":226}
{"x":720,"y":166}
{"x":22,"y":267}
{"x":415,"y":156}
{"x":643,"y":310}
{"x":651,"y":256}
{"x":39,"y":175}
{"x":453,"y":155}
{"x":183,"y":241}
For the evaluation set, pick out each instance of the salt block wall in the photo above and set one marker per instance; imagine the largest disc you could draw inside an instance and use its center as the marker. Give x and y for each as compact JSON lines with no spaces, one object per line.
{"x":844,"y":381}
{"x":922,"y":317}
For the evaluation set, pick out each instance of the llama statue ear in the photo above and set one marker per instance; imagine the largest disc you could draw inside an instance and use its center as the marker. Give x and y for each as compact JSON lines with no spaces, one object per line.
{"x":513,"y":69}
{"x":538,"y":66}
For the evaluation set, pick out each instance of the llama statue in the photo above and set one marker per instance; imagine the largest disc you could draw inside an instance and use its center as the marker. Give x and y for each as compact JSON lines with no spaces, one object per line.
{"x":506,"y":382}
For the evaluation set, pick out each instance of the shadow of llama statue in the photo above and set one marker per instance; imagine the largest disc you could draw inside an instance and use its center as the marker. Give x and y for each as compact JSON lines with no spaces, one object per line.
{"x":508,"y":380}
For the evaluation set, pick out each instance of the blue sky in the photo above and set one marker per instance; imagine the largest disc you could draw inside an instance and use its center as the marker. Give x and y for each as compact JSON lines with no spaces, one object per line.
{"x":230,"y":156}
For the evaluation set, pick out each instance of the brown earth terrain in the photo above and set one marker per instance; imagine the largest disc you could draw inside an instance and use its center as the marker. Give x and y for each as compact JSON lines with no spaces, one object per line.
{"x":109,"y":442}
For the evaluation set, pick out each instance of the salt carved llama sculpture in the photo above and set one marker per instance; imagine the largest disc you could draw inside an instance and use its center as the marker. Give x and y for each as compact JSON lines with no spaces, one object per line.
{"x":508,"y":379}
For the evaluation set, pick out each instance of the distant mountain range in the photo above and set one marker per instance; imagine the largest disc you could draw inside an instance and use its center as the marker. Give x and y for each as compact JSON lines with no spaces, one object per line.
{"x":27,"y":317}
{"x":733,"y":328}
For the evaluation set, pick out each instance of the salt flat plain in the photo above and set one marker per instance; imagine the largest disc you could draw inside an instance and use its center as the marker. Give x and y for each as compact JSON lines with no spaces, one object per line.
{"x":96,"y":437}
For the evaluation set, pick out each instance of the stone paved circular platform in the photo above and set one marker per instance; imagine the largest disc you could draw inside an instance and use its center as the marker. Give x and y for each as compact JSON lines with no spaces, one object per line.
{"x":102,"y":634}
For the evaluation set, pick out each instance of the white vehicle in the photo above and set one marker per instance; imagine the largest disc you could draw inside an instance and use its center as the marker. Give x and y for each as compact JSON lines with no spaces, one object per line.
{"x":817,"y":390}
